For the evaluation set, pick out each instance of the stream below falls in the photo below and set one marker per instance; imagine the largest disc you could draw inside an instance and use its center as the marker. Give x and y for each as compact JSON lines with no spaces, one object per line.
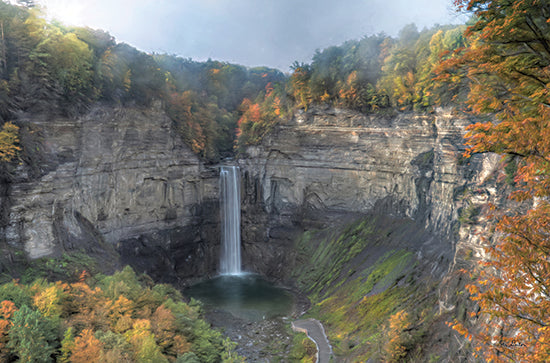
{"x":252,"y":312}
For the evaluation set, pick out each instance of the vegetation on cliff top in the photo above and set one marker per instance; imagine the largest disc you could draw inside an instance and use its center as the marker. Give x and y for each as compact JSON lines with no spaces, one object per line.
{"x":52,"y":69}
{"x":57,"y":70}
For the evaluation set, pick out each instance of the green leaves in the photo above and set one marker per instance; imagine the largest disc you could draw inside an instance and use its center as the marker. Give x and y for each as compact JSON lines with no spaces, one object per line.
{"x":123,"y":317}
{"x":31,"y":336}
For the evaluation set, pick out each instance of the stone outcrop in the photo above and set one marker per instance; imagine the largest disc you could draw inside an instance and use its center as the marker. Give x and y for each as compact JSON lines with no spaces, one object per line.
{"x":328,"y":162}
{"x":114,"y":177}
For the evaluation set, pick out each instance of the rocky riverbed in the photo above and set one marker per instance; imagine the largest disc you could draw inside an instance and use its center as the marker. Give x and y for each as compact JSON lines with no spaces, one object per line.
{"x":263,"y":339}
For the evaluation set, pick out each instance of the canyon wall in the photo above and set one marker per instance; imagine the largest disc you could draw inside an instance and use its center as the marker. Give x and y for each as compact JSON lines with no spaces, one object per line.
{"x":121,"y":178}
{"x":325,"y":163}
{"x":116,"y":177}
{"x":119,"y":184}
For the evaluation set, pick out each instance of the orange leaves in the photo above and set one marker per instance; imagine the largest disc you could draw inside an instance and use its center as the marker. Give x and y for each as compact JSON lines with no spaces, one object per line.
{"x":87,"y":348}
{"x":510,"y":84}
{"x":165,"y":330}
{"x":458,"y":327}
{"x":7,"y":308}
{"x":258,"y":118}
{"x":513,"y":290}
{"x":254,"y":113}
{"x":394,"y":349}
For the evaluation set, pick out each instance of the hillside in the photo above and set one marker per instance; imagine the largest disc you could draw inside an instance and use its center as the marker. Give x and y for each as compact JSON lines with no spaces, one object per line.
{"x":401,"y":183}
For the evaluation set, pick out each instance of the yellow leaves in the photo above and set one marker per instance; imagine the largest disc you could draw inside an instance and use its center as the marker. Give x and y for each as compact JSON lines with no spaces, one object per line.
{"x":49,"y":300}
{"x":325,"y":97}
{"x":9,"y":139}
{"x":399,"y":321}
{"x":127,"y":80}
{"x":143,"y":342}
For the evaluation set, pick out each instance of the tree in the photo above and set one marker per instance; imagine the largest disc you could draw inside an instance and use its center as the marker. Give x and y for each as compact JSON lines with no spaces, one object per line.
{"x":195,"y":121}
{"x":258,"y":118}
{"x":143,"y":341}
{"x":87,"y":348}
{"x":7,"y":308}
{"x":397,"y":337}
{"x":49,"y":300}
{"x":508,"y":65}
{"x":31,"y":336}
{"x":299,"y":84}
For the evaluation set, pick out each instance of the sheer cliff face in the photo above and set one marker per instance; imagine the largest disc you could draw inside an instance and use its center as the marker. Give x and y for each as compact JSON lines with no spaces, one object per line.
{"x":331,"y":162}
{"x":121,"y":177}
{"x":115,"y":176}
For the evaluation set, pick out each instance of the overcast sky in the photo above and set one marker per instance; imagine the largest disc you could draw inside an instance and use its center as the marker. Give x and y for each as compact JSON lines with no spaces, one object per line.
{"x":274,"y":33}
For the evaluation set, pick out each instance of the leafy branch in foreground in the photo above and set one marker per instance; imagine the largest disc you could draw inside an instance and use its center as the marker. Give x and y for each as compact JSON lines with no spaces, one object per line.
{"x":508,"y":66}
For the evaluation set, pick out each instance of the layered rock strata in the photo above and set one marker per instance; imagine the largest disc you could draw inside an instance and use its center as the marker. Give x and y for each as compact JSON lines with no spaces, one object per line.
{"x":116,"y":176}
{"x":325,"y":163}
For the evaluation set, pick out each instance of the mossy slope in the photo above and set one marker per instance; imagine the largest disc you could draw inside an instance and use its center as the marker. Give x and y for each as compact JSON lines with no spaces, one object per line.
{"x":370,"y":288}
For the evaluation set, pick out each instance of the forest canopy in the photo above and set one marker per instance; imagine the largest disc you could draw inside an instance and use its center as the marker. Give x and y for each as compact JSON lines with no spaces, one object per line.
{"x":118,"y":318}
{"x":47,"y":67}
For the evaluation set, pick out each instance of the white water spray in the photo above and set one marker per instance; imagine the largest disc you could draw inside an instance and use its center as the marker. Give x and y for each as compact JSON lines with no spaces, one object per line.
{"x":230,"y":206}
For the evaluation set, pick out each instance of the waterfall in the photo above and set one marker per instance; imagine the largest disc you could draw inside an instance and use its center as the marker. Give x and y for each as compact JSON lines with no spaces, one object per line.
{"x":230,"y":206}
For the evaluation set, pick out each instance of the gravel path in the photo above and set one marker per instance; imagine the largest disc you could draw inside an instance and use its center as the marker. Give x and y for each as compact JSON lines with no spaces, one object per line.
{"x":315,"y":331}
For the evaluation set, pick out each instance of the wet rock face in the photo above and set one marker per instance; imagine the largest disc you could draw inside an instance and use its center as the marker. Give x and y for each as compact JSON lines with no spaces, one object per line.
{"x":118,"y":176}
{"x":326,"y":162}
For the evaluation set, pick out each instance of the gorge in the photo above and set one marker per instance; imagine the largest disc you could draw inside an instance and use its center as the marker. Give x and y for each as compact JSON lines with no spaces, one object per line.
{"x":133,"y":193}
{"x":395,"y":189}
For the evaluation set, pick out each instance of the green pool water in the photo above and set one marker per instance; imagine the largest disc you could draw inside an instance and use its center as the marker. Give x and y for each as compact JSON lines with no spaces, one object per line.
{"x":245,"y":296}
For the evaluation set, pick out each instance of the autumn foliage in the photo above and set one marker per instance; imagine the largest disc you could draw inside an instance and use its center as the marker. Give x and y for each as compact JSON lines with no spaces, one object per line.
{"x":395,"y":347}
{"x":118,"y":318}
{"x":9,"y":140}
{"x":259,"y":117}
{"x":508,"y":66}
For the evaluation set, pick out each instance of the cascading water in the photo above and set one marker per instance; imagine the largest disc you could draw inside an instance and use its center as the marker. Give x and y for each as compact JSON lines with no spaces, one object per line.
{"x":230,"y":206}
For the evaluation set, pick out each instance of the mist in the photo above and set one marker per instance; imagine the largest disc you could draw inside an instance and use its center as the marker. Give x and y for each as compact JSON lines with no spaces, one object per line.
{"x":248,"y":32}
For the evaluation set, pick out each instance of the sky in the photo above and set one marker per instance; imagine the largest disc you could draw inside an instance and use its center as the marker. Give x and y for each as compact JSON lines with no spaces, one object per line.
{"x":272,"y":33}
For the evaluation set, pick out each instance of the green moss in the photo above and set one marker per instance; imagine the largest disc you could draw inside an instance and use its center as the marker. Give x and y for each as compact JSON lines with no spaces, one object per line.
{"x":355,"y":299}
{"x":303,"y":349}
{"x":468,"y":214}
{"x":385,"y":272}
{"x":322,"y":260}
